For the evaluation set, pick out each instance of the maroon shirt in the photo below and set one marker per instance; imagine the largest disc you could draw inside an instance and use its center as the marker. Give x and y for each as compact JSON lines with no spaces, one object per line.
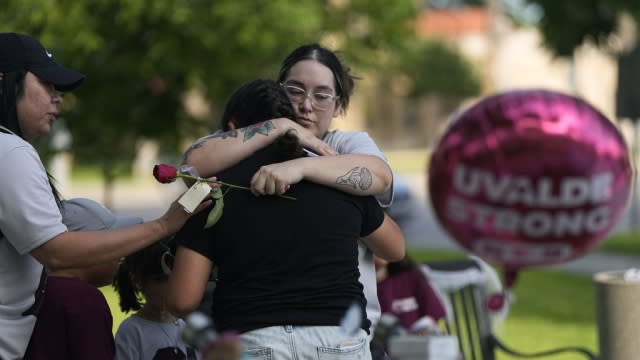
{"x":75,"y":322}
{"x":409,"y":296}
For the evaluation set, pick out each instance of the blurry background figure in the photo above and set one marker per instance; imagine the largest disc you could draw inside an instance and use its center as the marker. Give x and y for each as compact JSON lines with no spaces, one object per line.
{"x":152,"y":332}
{"x":75,"y":320}
{"x":199,"y":332}
{"x":403,"y":209}
{"x":404,"y":292}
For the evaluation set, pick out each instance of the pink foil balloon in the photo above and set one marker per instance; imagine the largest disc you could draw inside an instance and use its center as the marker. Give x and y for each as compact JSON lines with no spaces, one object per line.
{"x":530,"y":177}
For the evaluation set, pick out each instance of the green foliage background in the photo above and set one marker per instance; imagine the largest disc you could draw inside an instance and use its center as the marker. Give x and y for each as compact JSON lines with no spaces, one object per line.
{"x":567,"y":24}
{"x":142,"y":57}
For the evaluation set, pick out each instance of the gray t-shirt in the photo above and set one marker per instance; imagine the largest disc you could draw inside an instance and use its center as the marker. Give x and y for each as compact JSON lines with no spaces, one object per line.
{"x":138,"y":338}
{"x":29,"y":217}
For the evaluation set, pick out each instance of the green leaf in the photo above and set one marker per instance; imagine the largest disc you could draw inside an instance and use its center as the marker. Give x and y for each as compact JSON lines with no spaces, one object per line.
{"x":215,"y":213}
{"x":216,"y":193}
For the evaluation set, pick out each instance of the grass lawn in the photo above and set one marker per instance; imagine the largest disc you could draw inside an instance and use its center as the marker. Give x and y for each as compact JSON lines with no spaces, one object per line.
{"x":627,"y":243}
{"x":551,"y":310}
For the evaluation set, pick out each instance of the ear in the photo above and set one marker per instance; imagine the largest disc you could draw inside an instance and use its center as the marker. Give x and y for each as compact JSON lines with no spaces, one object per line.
{"x":338,"y":109}
{"x":231,"y":125}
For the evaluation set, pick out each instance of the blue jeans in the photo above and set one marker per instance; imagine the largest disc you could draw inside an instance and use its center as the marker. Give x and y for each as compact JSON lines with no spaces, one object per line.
{"x":305,"y":342}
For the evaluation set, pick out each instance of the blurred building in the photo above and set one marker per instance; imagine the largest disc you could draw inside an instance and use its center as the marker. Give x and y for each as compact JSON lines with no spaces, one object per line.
{"x":508,"y":57}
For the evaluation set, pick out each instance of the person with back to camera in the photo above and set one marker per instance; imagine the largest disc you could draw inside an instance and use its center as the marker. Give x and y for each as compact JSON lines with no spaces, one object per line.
{"x":405,"y":292}
{"x":286,"y":279}
{"x":75,"y":321}
{"x":319,"y":85}
{"x":33,"y":236}
{"x":152,"y":332}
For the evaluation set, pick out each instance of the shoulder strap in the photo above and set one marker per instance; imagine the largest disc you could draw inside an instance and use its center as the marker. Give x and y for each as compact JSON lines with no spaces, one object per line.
{"x":5,"y":130}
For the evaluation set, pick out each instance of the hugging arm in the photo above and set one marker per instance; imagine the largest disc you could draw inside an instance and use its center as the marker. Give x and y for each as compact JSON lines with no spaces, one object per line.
{"x":221,"y":150}
{"x":355,"y":174}
{"x":387,"y":241}
{"x":187,"y":281}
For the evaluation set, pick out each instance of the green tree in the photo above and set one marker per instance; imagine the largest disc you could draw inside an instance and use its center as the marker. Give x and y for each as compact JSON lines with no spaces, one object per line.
{"x":142,"y":56}
{"x":565,"y":25}
{"x":435,"y":67}
{"x":429,"y":79}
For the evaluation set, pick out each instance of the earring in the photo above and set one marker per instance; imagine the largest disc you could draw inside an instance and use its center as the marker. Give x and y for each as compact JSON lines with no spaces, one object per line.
{"x":166,"y":262}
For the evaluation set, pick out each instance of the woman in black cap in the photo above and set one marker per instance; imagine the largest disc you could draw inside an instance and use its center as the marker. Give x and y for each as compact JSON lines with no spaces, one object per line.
{"x":32,"y":235}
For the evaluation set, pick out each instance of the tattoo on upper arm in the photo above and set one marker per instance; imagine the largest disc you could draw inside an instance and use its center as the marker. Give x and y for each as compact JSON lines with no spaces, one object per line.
{"x":262,"y":128}
{"x":357,"y":178}
{"x":224,"y":135}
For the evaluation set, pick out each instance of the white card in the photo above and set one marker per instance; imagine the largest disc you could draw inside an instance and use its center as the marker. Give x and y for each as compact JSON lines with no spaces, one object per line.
{"x":194,"y":196}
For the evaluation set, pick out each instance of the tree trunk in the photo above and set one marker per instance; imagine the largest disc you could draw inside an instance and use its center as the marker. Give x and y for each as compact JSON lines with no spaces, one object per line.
{"x":109,"y":178}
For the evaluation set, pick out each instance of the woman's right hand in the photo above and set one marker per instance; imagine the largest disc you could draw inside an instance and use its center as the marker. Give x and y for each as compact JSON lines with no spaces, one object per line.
{"x":307,"y":139}
{"x":176,"y":216}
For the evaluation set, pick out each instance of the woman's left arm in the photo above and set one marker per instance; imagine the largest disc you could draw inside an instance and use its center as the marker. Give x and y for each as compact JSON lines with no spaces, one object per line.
{"x":356,"y":174}
{"x":187,"y":281}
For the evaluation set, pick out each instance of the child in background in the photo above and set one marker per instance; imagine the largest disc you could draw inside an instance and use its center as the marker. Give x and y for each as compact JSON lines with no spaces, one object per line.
{"x":404,"y":292}
{"x":75,"y":320}
{"x":152,"y":332}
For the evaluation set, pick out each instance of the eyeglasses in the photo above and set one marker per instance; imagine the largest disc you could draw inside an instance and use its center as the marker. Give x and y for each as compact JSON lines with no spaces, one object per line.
{"x":320,"y":101}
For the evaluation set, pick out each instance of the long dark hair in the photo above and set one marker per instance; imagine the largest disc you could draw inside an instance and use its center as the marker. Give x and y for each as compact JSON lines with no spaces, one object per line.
{"x":12,"y":89}
{"x":137,"y":269}
{"x":343,"y":79}
{"x":400,"y":266}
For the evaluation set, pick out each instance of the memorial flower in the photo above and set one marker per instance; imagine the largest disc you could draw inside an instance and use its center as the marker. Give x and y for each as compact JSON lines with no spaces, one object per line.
{"x":167,"y":174}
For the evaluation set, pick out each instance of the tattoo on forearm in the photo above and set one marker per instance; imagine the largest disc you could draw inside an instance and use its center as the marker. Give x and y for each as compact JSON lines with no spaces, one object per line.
{"x":262,"y":128}
{"x":224,"y":135}
{"x":357,"y":178}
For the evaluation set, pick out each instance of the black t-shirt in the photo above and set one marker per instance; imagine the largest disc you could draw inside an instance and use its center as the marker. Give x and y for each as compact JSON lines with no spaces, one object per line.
{"x":281,"y":261}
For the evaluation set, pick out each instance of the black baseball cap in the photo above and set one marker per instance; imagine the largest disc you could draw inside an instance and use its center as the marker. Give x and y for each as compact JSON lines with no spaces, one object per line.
{"x":23,"y":52}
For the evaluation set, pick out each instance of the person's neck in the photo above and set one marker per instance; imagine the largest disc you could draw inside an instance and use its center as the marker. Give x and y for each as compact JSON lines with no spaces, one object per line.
{"x":68,"y":273}
{"x":382,"y":274}
{"x":155,"y":313}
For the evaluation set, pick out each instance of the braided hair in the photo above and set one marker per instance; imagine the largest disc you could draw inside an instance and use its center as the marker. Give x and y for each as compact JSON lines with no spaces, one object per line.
{"x":137,"y":269}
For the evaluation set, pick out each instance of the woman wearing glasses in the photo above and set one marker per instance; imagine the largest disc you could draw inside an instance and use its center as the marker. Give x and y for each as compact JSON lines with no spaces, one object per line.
{"x":320,"y":86}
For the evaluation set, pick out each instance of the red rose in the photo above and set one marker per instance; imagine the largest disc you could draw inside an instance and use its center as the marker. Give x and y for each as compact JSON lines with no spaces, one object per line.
{"x":165,"y":173}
